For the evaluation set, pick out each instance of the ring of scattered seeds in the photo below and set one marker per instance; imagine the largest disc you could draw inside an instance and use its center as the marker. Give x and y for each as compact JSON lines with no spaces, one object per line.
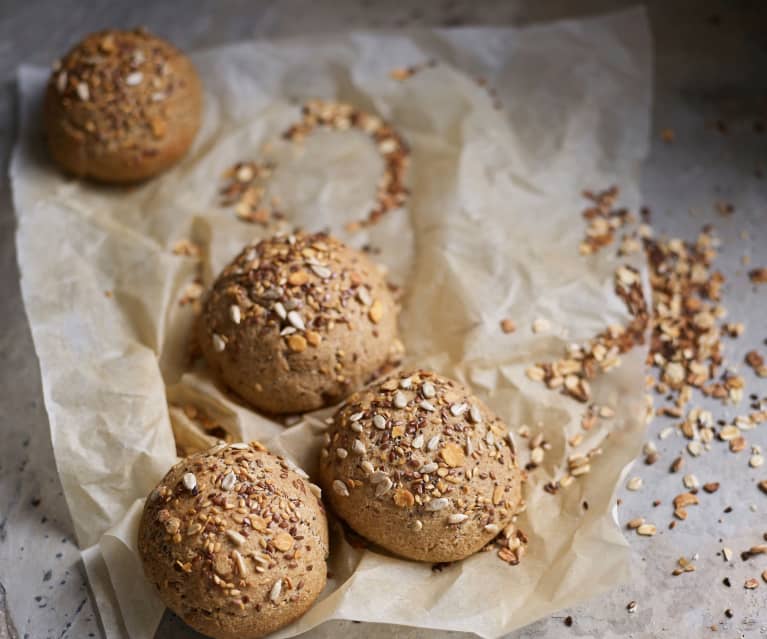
{"x":121,"y":106}
{"x":297,"y":322}
{"x":419,"y":466}
{"x":235,"y":541}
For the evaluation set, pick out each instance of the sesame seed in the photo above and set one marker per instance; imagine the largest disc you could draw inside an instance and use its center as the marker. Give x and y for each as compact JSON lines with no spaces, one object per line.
{"x":189,"y":481}
{"x":457,"y":518}
{"x":437,"y":504}
{"x":295,"y":319}
{"x":340,"y":488}
{"x":218,"y":343}
{"x":227,"y":483}
{"x":400,"y":401}
{"x":379,"y":421}
{"x":235,"y":313}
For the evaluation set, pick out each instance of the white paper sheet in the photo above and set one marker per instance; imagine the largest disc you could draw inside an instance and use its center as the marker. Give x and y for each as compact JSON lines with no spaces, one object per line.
{"x":491,"y":231}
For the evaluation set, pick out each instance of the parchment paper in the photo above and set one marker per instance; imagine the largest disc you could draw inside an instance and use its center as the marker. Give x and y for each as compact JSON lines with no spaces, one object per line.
{"x":491,"y":231}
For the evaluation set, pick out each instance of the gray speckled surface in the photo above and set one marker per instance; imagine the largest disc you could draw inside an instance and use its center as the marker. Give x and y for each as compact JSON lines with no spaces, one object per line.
{"x":710,"y":65}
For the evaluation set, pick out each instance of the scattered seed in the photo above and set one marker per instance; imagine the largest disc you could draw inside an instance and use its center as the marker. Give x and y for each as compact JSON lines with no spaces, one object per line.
{"x":507,"y":325}
{"x":635,"y":483}
{"x":647,"y":530}
{"x":635,"y":523}
{"x":690,"y":481}
{"x":751,"y":584}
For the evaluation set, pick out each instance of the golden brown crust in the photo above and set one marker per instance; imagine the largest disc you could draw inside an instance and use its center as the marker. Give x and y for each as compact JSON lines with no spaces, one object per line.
{"x":298,"y":322}
{"x":121,"y":106}
{"x":222,"y":529}
{"x":419,"y":466}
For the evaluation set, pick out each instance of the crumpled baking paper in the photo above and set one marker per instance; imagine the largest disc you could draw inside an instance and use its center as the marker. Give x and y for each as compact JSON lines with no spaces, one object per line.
{"x":491,"y":231}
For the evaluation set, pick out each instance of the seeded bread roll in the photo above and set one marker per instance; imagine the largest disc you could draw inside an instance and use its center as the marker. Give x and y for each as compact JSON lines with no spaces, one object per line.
{"x":235,"y":541}
{"x":122,"y":106}
{"x":298,"y":322}
{"x":421,"y":467}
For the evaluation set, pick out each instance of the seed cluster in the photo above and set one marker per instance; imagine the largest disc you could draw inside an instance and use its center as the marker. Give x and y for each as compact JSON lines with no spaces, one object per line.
{"x":222,"y":515}
{"x":586,"y":361}
{"x":603,"y":222}
{"x":244,"y":189}
{"x":418,"y":441}
{"x":123,"y":80}
{"x":341,"y":116}
{"x":297,"y":285}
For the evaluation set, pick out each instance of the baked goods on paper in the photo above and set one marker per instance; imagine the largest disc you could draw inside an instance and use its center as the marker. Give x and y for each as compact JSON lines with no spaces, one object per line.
{"x":419,"y":466}
{"x":491,"y":231}
{"x":227,"y":574}
{"x":297,"y":322}
{"x":121,"y":106}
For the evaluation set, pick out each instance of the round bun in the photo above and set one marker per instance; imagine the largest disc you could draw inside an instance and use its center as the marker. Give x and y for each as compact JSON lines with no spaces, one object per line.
{"x":122,"y":106}
{"x":421,"y":467}
{"x":298,"y":322}
{"x":235,"y":540}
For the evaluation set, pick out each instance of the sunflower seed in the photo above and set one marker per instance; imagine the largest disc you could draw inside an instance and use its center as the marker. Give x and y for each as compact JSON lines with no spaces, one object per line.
{"x":428,"y":406}
{"x":437,"y":504}
{"x":492,"y":528}
{"x":417,"y":441}
{"x":428,"y":468}
{"x":367,"y":467}
{"x":218,"y":343}
{"x":341,"y":453}
{"x":61,"y":81}
{"x":235,"y":537}
{"x":235,"y":313}
{"x":427,"y":389}
{"x":315,"y":490}
{"x":355,"y":417}
{"x":378,"y":476}
{"x":456,"y":410}
{"x":417,"y":525}
{"x":239,"y":446}
{"x":276,"y":591}
{"x":356,"y":427}
{"x":475,"y":415}
{"x":295,"y":319}
{"x":490,"y":438}
{"x":364,"y":296}
{"x":288,"y":330}
{"x":457,"y":518}
{"x":469,"y":447}
{"x":83,"y":92}
{"x":340,"y":488}
{"x":400,"y":401}
{"x":383,"y":487}
{"x":406,"y":383}
{"x":227,"y":483}
{"x":433,"y":443}
{"x":379,"y":421}
{"x":358,"y":447}
{"x":321,"y":271}
{"x":189,"y":481}
{"x":242,"y":567}
{"x":279,"y":308}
